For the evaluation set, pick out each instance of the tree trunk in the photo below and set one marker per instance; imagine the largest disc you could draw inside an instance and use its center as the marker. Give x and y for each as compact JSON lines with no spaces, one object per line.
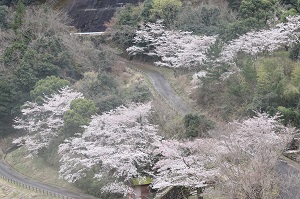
{"x":199,"y":192}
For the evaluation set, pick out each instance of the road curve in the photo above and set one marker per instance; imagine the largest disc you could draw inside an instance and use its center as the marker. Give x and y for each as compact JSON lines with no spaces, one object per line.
{"x":163,"y":87}
{"x":8,"y":172}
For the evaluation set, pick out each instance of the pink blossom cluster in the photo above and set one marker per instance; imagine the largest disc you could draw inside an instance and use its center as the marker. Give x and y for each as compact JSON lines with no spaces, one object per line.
{"x":42,"y":121}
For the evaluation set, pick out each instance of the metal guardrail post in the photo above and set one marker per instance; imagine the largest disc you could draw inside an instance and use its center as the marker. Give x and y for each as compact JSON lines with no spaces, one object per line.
{"x":25,"y":186}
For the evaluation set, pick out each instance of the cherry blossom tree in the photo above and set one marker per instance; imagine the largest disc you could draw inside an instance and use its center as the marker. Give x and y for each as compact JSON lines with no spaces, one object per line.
{"x":186,"y":163}
{"x":175,"y":49}
{"x":254,"y":146}
{"x":116,"y":142}
{"x":283,"y":34}
{"x":42,"y":122}
{"x":240,"y":160}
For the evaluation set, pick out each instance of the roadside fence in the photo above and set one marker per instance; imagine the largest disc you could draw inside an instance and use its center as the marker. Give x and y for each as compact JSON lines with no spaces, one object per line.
{"x":33,"y":188}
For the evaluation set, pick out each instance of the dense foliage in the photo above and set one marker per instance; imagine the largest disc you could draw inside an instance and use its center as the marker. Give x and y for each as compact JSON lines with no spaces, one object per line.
{"x":39,"y":56}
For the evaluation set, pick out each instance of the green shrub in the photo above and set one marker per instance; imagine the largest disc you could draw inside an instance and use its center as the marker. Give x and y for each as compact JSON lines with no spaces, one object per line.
{"x":130,"y":15}
{"x":84,"y":107}
{"x":166,"y":10}
{"x":47,"y":86}
{"x":294,"y":53}
{"x":290,"y":116}
{"x":140,"y":93}
{"x":79,"y":114}
{"x":3,"y":17}
{"x":108,"y":102}
{"x":197,"y":125}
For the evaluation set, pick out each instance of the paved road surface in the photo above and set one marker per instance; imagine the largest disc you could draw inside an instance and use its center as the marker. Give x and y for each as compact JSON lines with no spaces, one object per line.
{"x":290,"y":177}
{"x":163,"y":87}
{"x":12,"y":174}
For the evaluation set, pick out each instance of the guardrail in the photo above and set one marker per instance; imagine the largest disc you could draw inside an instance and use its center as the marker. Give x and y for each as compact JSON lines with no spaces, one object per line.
{"x":88,"y":33}
{"x":33,"y":188}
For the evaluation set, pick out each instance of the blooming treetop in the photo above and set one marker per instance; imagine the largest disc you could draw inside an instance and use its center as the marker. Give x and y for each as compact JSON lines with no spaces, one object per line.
{"x":43,"y":121}
{"x":183,"y":50}
{"x":186,"y":163}
{"x":284,"y":34}
{"x":175,"y":48}
{"x":254,"y":147}
{"x":260,"y":134}
{"x":255,"y":143}
{"x":117,"y":141}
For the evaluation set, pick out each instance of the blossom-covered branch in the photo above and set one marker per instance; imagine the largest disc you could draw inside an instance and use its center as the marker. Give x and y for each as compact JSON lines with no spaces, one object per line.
{"x":176,"y":49}
{"x":284,"y":34}
{"x":43,"y":121}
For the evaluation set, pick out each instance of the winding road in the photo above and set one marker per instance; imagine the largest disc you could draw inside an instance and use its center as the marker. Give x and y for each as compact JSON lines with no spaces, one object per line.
{"x":162,"y":86}
{"x":164,"y":89}
{"x":10,"y":173}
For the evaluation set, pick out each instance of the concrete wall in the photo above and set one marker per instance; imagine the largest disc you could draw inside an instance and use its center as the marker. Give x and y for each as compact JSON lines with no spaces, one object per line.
{"x":90,"y":15}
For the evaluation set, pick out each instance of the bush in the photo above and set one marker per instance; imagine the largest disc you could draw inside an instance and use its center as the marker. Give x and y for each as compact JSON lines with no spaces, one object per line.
{"x":103,"y":89}
{"x":294,"y":53}
{"x":166,"y":10}
{"x":290,"y":116}
{"x":79,"y":114}
{"x":47,"y":86}
{"x":240,"y":27}
{"x":130,"y":15}
{"x":108,"y":102}
{"x":197,"y":125}
{"x":140,"y":93}
{"x":3,"y":17}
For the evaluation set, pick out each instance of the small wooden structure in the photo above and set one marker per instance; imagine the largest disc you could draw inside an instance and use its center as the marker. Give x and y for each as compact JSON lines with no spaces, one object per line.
{"x":141,"y":188}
